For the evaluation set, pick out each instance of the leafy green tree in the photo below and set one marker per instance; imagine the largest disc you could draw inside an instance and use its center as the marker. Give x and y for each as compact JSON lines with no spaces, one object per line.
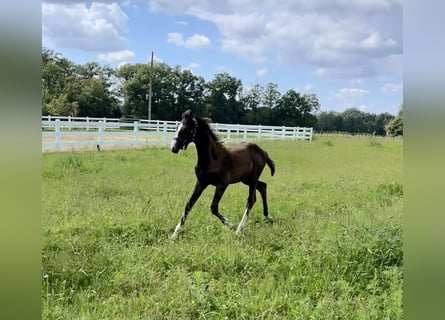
{"x":223,"y":99}
{"x":354,"y":121}
{"x":287,"y":112}
{"x":395,"y":126}
{"x":167,"y":93}
{"x":259,"y":103}
{"x":60,"y":106}
{"x":76,"y":90}
{"x":174,"y":90}
{"x":271,"y":96}
{"x":55,"y":72}
{"x":93,"y":99}
{"x":188,"y":93}
{"x":134,"y":89}
{"x":252,"y":101}
{"x":309,"y":106}
{"x":92,"y":90}
{"x":271,"y":99}
{"x":381,"y":122}
{"x":330,"y":121}
{"x":295,"y":109}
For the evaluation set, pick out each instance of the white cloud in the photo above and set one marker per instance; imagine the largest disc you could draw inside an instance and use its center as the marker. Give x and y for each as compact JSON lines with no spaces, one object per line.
{"x":320,"y":72}
{"x":182,"y":23}
{"x":356,"y":81}
{"x":346,"y":98}
{"x":191,"y":66}
{"x":194,"y":65}
{"x":222,"y":69}
{"x":391,"y":88}
{"x":336,"y":38}
{"x":247,"y":49}
{"x":261,"y":72}
{"x":348,"y":93}
{"x":362,"y":107}
{"x":123,"y":55}
{"x":375,"y":41}
{"x":196,"y":41}
{"x":99,"y":27}
{"x":339,"y":39}
{"x":308,"y":87}
{"x":193,"y":7}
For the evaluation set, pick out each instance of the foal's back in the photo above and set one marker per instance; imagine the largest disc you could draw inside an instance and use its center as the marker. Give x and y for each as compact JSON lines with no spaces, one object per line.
{"x":248,"y":161}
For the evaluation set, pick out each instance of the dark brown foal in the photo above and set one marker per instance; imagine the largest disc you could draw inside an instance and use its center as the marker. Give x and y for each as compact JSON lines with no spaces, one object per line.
{"x":220,"y":166}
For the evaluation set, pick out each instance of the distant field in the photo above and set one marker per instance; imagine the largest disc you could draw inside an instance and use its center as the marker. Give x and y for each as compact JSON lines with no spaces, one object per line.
{"x":334,"y":251}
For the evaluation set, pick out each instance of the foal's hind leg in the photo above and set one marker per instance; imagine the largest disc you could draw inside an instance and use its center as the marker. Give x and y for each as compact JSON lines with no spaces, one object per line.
{"x":250,"y":202}
{"x":199,"y":188}
{"x":262,"y":187}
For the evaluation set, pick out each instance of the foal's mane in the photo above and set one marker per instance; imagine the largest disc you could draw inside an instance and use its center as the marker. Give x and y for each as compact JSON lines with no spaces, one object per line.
{"x":203,"y":123}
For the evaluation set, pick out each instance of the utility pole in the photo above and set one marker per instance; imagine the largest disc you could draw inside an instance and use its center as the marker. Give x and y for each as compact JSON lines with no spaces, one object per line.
{"x":150,"y":92}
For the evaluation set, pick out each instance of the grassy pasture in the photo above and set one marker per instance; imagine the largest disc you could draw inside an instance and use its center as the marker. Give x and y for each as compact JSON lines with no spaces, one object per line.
{"x":334,"y":251}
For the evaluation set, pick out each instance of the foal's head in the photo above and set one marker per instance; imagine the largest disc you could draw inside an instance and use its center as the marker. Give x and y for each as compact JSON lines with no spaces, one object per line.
{"x":185,"y":133}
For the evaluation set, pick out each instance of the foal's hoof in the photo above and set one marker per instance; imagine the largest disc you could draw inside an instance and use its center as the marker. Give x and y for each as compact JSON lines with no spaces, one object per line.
{"x":174,"y":236}
{"x":269,"y":219}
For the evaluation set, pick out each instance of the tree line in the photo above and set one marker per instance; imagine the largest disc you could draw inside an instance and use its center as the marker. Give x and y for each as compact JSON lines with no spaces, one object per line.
{"x":95,"y":90}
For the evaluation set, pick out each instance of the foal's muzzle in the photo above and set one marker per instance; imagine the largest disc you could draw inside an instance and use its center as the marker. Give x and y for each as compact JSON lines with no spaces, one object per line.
{"x":174,"y":146}
{"x":177,"y":144}
{"x":180,"y":143}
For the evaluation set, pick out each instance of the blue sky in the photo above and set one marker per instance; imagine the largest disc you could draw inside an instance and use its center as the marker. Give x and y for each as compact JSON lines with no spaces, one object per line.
{"x":349,"y":53}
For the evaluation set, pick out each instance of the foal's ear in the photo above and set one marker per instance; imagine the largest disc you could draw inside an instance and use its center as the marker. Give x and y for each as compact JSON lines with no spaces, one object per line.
{"x":187,"y":115}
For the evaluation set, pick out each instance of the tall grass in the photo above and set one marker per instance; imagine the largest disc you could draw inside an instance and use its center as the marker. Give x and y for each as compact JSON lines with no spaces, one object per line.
{"x":334,"y":251}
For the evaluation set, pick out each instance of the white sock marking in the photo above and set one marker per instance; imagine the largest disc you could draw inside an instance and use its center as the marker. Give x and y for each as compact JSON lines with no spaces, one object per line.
{"x":177,"y":230}
{"x":242,"y":224}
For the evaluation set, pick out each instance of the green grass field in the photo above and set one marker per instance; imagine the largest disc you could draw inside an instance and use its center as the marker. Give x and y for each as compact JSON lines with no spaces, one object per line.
{"x":334,"y":251}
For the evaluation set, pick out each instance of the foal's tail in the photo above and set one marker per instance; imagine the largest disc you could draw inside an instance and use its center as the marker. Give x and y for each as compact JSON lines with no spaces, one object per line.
{"x":271,"y":164}
{"x":263,"y":153}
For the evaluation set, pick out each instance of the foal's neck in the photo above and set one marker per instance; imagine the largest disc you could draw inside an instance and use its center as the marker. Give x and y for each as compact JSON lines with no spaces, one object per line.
{"x":207,"y":148}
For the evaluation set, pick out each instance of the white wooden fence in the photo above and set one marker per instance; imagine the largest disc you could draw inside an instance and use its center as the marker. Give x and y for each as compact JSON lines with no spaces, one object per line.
{"x":69,"y":133}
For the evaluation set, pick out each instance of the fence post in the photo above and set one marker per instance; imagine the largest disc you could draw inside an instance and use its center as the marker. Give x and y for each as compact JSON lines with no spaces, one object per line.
{"x":259,"y":132}
{"x":88,"y":124}
{"x":215,"y":128}
{"x":165,"y":136}
{"x":135,"y":133}
{"x":100,"y":130}
{"x":57,"y":132}
{"x":69,"y":123}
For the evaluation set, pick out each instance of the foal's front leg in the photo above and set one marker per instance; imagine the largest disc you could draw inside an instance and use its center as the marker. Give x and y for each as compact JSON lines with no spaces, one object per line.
{"x":219,"y":191}
{"x":199,"y":188}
